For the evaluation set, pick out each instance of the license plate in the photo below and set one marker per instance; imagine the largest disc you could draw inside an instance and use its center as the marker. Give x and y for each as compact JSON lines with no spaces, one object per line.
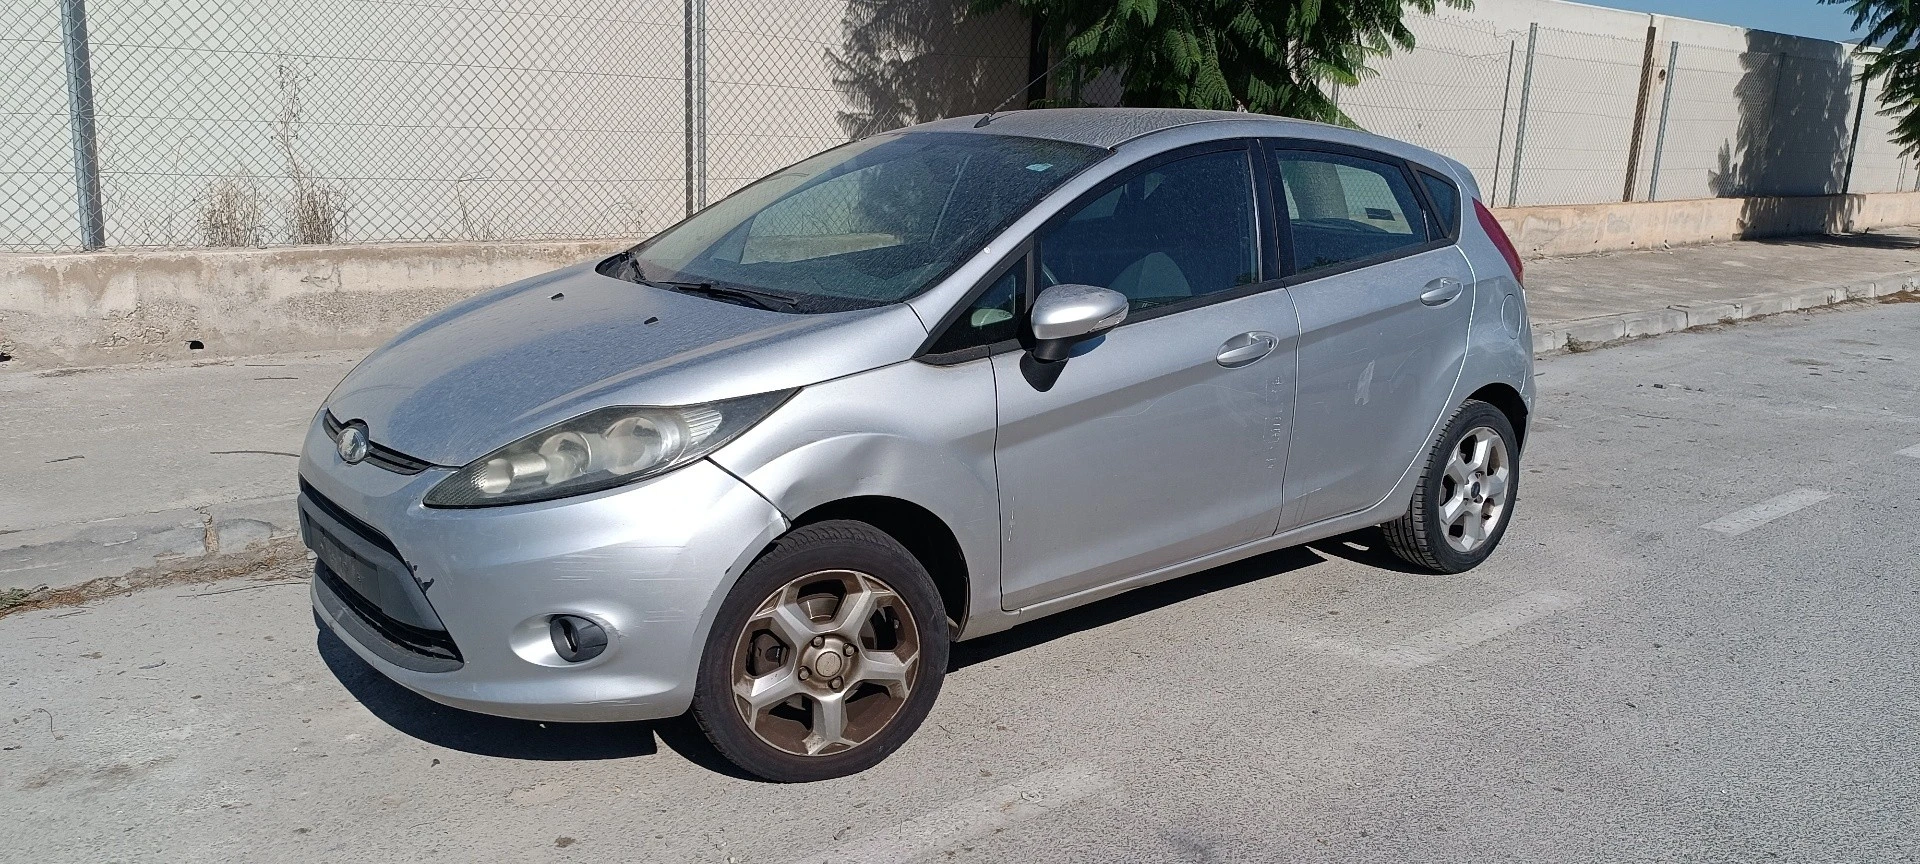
{"x":361,"y":575}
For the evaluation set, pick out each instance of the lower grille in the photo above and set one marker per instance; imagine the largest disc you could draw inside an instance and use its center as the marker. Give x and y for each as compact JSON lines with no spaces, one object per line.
{"x":437,"y":644}
{"x":366,"y":580}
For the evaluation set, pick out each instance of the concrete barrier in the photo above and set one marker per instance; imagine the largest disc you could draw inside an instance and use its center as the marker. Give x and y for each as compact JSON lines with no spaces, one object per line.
{"x":96,"y":308}
{"x":1580,"y":229}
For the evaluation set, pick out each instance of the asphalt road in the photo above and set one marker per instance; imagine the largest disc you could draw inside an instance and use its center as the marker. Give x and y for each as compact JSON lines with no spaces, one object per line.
{"x":1697,"y":644}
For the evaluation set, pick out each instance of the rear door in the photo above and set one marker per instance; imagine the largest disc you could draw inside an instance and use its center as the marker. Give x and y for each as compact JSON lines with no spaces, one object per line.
{"x":1382,"y":294}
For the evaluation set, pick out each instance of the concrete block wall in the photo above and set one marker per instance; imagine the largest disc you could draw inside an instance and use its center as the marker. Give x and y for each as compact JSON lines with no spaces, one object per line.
{"x":1753,"y":113}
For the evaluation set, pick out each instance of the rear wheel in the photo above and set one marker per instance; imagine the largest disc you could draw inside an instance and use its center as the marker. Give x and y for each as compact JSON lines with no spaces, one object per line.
{"x":1465,"y":497}
{"x":825,"y":657}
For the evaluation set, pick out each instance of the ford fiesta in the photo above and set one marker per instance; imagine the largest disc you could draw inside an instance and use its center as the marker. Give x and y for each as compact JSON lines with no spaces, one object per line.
{"x":768,"y":465}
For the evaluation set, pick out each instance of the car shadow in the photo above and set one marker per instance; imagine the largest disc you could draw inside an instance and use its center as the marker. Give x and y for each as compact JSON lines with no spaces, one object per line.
{"x":1366,"y":546}
{"x":1124,"y":606}
{"x":465,"y":731}
{"x":484,"y":735}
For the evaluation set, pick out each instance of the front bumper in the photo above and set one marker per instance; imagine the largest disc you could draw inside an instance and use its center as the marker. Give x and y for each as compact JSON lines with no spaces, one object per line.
{"x":649,"y":562}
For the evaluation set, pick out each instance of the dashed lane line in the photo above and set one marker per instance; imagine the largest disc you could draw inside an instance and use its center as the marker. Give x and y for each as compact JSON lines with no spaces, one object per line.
{"x":1029,"y":797}
{"x":1467,"y":631}
{"x":1740,"y":522}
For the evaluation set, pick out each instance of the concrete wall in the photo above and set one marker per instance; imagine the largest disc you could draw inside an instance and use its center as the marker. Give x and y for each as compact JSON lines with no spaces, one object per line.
{"x":1553,"y":231}
{"x":77,"y":309}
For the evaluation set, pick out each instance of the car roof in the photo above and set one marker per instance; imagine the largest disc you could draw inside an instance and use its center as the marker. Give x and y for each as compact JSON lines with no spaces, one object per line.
{"x":1108,"y":128}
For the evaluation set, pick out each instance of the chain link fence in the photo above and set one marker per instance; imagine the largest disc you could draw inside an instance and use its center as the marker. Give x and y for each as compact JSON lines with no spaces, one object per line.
{"x":1451,"y":93}
{"x":243,"y":123}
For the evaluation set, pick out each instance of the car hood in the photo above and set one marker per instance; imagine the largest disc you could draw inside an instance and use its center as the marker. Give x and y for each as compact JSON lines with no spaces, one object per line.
{"x":511,"y":362}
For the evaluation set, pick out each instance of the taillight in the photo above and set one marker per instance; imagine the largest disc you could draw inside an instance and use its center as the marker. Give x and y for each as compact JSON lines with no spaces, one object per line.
{"x":1501,"y":240}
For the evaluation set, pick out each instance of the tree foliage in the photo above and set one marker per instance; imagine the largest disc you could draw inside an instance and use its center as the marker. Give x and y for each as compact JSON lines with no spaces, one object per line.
{"x":1266,"y":56}
{"x":1892,"y":29}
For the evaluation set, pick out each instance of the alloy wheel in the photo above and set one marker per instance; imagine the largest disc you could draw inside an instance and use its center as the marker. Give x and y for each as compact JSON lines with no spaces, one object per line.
{"x":1474,"y":491}
{"x":825,"y":662}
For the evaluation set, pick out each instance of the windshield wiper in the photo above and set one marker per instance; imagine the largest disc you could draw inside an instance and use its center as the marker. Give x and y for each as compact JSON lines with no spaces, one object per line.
{"x":755,"y":297}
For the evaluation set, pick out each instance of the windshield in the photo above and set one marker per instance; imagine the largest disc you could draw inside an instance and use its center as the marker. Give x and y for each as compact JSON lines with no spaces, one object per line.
{"x":866,"y":224}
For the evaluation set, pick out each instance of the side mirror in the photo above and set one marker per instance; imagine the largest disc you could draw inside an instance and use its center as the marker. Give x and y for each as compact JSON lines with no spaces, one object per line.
{"x":1066,"y":315}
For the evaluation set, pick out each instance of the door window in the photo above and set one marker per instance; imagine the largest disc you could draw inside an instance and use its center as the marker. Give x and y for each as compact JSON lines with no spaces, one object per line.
{"x":1168,"y":234}
{"x":1345,"y":208}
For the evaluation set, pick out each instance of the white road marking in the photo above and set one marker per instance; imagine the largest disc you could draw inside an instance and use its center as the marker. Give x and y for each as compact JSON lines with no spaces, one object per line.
{"x":1026,"y":798}
{"x":1913,"y":451}
{"x":1465,"y":632}
{"x":1766,"y":511}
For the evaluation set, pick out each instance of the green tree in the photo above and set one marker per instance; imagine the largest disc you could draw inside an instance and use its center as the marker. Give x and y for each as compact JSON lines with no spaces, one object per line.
{"x":1892,"y":28}
{"x":1266,"y":56}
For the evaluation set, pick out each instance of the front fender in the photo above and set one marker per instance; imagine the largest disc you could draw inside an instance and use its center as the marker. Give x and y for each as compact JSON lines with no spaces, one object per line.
{"x":911,"y":431}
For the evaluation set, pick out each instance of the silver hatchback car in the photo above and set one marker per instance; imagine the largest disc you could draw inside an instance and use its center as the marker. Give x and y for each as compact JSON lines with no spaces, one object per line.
{"x":769,"y":464}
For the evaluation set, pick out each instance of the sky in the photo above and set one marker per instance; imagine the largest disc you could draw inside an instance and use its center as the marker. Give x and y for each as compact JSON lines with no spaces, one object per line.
{"x":1797,"y":17}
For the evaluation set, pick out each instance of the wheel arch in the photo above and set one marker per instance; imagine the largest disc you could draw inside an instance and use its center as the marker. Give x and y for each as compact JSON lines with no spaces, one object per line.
{"x":1504,"y":397}
{"x":925,"y":535}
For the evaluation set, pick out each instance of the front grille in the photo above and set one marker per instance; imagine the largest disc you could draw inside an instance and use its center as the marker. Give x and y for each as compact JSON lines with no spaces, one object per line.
{"x":377,"y":455}
{"x":429,"y":643}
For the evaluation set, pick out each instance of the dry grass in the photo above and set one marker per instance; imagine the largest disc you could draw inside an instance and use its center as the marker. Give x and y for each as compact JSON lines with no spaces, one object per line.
{"x":230,"y":214}
{"x":315,"y":211}
{"x":278,"y":561}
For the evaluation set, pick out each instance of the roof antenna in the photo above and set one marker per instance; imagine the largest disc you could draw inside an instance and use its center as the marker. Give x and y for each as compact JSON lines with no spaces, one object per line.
{"x":1015,"y":94}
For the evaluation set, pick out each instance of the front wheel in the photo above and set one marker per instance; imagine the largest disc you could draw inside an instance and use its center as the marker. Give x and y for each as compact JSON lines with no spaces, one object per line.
{"x":824,"y":658}
{"x":1465,"y":497}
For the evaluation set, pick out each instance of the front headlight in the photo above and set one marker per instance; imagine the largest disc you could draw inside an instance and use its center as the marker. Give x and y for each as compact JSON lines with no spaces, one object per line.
{"x":599,"y":450}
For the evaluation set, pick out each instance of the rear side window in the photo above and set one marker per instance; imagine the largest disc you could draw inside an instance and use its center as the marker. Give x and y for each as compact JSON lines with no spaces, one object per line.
{"x":1446,"y":200}
{"x":1347,"y":208}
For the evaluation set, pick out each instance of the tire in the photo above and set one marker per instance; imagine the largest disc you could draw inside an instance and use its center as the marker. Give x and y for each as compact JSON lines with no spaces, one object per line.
{"x":1477,"y":490}
{"x":830,"y":691}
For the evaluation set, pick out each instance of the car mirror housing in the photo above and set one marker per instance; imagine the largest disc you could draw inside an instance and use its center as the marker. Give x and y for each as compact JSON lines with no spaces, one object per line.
{"x":1066,"y":315}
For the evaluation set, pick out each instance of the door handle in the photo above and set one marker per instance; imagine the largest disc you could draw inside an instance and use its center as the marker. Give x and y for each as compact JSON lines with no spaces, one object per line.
{"x":1247,"y":349}
{"x":1442,"y":291}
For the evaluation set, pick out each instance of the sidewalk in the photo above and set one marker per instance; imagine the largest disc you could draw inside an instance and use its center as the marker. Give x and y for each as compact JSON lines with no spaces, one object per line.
{"x":1590,"y":300}
{"x":122,"y":469}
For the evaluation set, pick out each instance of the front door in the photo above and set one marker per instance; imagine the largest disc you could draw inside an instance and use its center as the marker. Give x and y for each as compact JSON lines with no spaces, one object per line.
{"x":1384,"y":302}
{"x":1166,"y":439}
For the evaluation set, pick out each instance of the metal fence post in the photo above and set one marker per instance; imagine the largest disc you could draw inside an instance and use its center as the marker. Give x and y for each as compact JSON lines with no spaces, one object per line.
{"x":1666,"y":111}
{"x":696,"y":87}
{"x":86,"y":150}
{"x":1037,"y":57}
{"x":1853,"y":144}
{"x":1506,"y":102}
{"x":1520,"y":128}
{"x":1640,"y":115}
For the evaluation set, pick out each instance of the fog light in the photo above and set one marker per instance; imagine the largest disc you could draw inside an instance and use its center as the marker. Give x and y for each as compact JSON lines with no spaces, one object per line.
{"x":576,"y":639}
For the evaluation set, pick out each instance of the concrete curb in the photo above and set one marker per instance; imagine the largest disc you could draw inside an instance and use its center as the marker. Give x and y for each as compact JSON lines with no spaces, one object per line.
{"x":65,"y":555}
{"x":1585,"y":333}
